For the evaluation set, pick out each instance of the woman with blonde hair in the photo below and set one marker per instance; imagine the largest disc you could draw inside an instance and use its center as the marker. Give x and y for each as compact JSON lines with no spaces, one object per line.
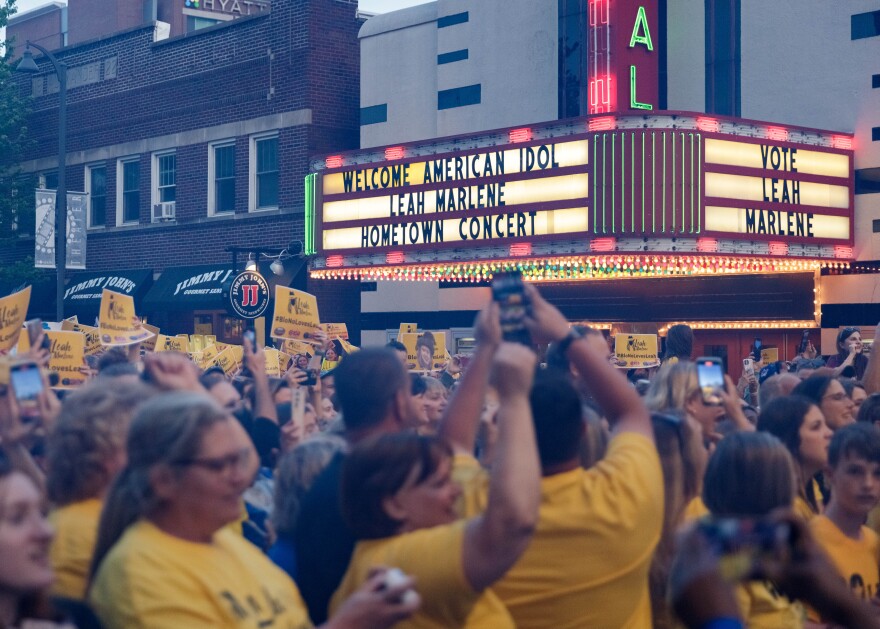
{"x":683,"y":460}
{"x":85,"y":451}
{"x":165,"y":556}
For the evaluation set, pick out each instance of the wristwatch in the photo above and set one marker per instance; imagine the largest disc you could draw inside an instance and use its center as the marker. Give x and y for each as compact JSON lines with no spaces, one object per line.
{"x":566,"y":342}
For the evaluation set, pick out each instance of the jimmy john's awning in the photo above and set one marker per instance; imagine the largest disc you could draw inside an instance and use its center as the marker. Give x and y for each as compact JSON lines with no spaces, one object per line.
{"x":82,"y":295}
{"x":189,"y":288}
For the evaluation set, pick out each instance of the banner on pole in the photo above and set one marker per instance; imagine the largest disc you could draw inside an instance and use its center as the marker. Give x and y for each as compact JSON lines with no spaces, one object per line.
{"x":44,"y":254}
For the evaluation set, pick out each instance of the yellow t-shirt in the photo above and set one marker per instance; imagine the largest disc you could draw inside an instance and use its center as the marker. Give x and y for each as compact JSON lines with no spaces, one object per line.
{"x":76,"y":528}
{"x":434,"y":557}
{"x":857,"y":560}
{"x":763,"y":607}
{"x":587,"y":564}
{"x":695,"y":510}
{"x":474,"y":483}
{"x":153,"y":579}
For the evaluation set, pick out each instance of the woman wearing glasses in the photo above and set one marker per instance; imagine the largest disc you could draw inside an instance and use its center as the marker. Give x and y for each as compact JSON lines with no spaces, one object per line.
{"x":849,"y":354}
{"x":165,"y":556}
{"x":829,"y":395}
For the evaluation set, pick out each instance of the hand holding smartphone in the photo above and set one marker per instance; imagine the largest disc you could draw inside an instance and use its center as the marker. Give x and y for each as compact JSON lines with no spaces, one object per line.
{"x":514,"y":306}
{"x":710,"y":378}
{"x":27,"y":385}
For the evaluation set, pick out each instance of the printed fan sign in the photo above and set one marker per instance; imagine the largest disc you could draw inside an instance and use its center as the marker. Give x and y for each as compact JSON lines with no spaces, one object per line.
{"x":91,"y":335}
{"x":335,"y":330}
{"x":67,"y":357}
{"x":636,"y":351}
{"x":407,"y":328}
{"x":273,"y":362}
{"x":172,"y":344}
{"x":13,"y":311}
{"x":769,"y":355}
{"x":425,"y":351}
{"x":296,"y":315}
{"x":117,"y":321}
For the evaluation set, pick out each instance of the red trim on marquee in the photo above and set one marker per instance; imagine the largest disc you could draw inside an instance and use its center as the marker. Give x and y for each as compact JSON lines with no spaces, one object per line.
{"x":520,"y":135}
{"x":393,"y":153}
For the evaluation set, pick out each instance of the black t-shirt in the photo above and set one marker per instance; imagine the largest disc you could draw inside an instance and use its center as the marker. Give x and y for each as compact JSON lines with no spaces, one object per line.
{"x":324,"y":543}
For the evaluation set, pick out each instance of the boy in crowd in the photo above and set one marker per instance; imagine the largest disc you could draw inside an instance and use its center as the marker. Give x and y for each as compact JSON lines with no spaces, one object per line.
{"x":854,"y":477}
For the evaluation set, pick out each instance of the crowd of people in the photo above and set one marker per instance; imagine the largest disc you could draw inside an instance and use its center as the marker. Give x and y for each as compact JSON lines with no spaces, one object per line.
{"x":539,"y":487}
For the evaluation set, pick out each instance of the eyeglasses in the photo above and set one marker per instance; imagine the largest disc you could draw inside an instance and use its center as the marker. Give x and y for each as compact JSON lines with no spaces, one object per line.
{"x":836,"y":397}
{"x":237,"y":461}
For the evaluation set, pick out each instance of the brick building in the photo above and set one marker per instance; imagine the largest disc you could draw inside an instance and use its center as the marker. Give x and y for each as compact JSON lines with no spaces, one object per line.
{"x":191,"y":144}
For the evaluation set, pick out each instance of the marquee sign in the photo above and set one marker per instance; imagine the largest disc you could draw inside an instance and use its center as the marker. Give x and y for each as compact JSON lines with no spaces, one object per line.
{"x":652,"y":183}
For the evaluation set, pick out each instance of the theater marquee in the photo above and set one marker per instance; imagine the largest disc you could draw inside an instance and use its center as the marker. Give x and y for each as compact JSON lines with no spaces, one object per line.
{"x":649,"y":184}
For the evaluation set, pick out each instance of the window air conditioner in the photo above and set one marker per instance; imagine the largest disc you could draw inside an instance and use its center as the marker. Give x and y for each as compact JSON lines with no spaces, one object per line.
{"x":163,"y":211}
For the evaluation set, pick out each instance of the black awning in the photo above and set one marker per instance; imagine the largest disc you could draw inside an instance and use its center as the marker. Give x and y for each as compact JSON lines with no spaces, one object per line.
{"x":189,"y":288}
{"x":201,"y":287}
{"x":82,"y":294}
{"x":42,"y":303}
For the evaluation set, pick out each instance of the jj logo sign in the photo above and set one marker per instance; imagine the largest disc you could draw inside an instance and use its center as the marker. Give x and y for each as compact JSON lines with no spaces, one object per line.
{"x":249,"y":295}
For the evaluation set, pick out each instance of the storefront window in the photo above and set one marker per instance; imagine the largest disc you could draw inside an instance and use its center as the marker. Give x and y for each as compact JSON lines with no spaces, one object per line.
{"x":232,"y":329}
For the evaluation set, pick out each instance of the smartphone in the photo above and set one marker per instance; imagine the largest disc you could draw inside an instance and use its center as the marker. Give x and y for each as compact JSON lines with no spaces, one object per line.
{"x":311,"y":378}
{"x":27,"y":384}
{"x":757,"y":344}
{"x":710,"y":378}
{"x":749,"y":366}
{"x":805,"y":342}
{"x":508,"y":291}
{"x":741,"y":543}
{"x":34,"y":328}
{"x":251,"y":336}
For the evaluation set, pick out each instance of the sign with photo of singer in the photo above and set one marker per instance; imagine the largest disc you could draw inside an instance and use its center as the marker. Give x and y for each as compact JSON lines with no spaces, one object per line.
{"x":296,"y":315}
{"x":44,"y":252}
{"x":635,"y":351}
{"x":425,"y":351}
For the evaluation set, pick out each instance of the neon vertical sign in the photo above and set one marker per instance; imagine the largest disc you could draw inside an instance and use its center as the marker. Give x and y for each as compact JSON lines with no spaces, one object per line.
{"x":622,"y":62}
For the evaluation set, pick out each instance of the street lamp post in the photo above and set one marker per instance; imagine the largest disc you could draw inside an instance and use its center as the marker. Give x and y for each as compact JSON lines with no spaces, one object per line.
{"x":27,"y":64}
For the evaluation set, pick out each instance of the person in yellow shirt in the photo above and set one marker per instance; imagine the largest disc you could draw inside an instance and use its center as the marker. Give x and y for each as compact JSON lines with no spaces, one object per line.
{"x":748,"y":476}
{"x":85,"y":451}
{"x":800,"y":425}
{"x":588,"y":563}
{"x":164,"y":557}
{"x":854,"y":476}
{"x":399,"y":499}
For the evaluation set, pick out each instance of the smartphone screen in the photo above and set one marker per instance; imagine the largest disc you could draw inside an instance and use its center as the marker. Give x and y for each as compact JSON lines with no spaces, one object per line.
{"x":26,"y":382}
{"x":508,"y":291}
{"x":710,"y":377}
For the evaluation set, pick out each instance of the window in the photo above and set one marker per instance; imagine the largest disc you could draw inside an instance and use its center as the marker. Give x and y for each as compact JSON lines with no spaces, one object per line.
{"x":96,"y":184}
{"x":458,"y":97}
{"x":221,"y":172}
{"x":49,"y":180}
{"x":452,"y":20}
{"x":264,"y":169}
{"x":194,"y":23}
{"x":867,"y":181}
{"x":572,"y":49}
{"x":875,"y":134}
{"x":451,"y":57}
{"x":128,"y":191}
{"x":875,"y":80}
{"x":864,"y":25}
{"x":374,"y":114}
{"x":723,"y":64}
{"x":165,"y":165}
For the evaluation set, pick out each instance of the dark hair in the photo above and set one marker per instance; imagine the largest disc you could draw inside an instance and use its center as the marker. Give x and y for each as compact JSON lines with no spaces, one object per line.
{"x":844,"y":334}
{"x":212,"y":378}
{"x":396,"y":346}
{"x":556,"y":409}
{"x":869,"y":411}
{"x":113,"y":356}
{"x":378,"y":469}
{"x":783,"y":418}
{"x":426,"y":339}
{"x":417,"y":384}
{"x":750,"y":474}
{"x":679,"y":342}
{"x":850,"y":385}
{"x":814,"y":388}
{"x":860,"y":440}
{"x":115,"y":370}
{"x":366,"y":385}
